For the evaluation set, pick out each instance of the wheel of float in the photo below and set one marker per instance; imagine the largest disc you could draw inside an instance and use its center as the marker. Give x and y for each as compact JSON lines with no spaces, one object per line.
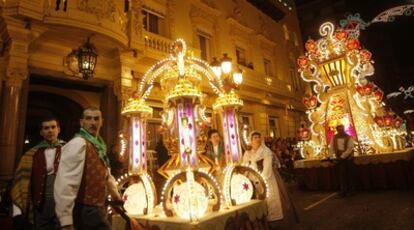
{"x":205,"y":195}
{"x":242,"y":184}
{"x":138,"y":193}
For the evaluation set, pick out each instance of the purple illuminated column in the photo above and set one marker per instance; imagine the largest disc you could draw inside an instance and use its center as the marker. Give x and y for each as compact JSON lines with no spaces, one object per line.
{"x":137,"y":145}
{"x":186,"y":131}
{"x":232,"y":145}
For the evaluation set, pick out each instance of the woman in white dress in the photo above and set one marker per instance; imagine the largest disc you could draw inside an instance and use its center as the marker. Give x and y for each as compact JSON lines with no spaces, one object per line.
{"x":281,"y":212}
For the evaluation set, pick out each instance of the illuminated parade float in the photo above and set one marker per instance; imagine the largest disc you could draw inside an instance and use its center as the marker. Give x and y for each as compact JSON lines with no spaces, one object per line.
{"x":196,"y":186}
{"x":337,"y":67}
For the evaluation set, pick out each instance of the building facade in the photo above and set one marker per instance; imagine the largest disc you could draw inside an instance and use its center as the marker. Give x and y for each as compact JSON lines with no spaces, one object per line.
{"x":40,"y":75}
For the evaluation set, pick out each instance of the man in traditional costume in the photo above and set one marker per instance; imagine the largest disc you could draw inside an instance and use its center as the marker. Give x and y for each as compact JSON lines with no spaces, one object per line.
{"x":32,"y":189}
{"x":342,"y":146}
{"x":84,"y":178}
{"x":281,"y":212}
{"x":214,"y":148}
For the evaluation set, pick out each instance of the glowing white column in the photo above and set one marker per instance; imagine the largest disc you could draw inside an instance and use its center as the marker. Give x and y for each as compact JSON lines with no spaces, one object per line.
{"x":186,"y":131}
{"x":232,"y":145}
{"x":137,"y":145}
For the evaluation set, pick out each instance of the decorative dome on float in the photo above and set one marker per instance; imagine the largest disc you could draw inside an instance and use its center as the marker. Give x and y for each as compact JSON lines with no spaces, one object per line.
{"x":338,"y":66}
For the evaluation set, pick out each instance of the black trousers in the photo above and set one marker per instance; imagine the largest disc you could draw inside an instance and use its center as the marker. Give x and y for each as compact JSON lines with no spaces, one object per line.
{"x":86,"y":217}
{"x":45,"y":217}
{"x":346,"y":176}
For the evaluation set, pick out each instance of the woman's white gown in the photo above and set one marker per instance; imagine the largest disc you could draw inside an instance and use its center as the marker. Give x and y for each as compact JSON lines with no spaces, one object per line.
{"x":274,"y":203}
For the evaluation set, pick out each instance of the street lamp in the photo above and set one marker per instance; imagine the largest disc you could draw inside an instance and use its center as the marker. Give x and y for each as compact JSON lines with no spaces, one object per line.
{"x":216,"y":66}
{"x":237,"y":76}
{"x":226,"y":64}
{"x":232,"y":77}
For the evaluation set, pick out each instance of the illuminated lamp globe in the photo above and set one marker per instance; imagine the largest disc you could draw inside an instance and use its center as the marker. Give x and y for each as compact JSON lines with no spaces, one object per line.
{"x":226,"y":64}
{"x":237,"y":76}
{"x":215,"y":65}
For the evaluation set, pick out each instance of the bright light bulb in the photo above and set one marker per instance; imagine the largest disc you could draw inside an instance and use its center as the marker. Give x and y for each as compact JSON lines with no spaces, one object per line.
{"x":226,"y":67}
{"x":217,"y":71}
{"x":237,"y":77}
{"x":86,"y":65}
{"x":226,"y":64}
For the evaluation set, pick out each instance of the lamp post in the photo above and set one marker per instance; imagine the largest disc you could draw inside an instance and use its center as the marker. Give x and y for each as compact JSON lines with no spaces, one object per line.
{"x":227,"y":105}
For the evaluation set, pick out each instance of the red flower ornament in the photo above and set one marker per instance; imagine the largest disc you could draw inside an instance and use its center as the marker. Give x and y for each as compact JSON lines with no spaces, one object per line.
{"x":352,"y":44}
{"x":310,"y":46}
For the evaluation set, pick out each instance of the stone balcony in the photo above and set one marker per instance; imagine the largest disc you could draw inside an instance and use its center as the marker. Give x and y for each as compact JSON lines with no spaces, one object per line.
{"x":94,"y":16}
{"x":157,"y":42}
{"x":157,"y":46}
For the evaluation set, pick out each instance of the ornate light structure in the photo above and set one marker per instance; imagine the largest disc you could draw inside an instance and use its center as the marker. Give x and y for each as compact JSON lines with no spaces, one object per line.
{"x":191,"y":190}
{"x":87,"y":58}
{"x":136,"y":112}
{"x":140,"y":195}
{"x":338,"y":66}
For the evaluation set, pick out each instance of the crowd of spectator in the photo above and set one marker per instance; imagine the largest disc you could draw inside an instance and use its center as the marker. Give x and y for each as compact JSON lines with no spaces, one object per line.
{"x":285,"y":153}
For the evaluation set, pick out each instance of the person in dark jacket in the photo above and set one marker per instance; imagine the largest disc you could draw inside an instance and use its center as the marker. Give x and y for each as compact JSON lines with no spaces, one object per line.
{"x":32,"y":188}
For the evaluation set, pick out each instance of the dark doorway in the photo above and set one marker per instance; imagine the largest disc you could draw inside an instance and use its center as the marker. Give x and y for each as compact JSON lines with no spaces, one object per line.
{"x":41,"y":104}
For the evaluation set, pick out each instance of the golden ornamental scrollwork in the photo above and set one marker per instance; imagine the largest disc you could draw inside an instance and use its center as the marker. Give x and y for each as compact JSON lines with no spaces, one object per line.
{"x":136,"y":6}
{"x":104,"y":9}
{"x":70,"y":65}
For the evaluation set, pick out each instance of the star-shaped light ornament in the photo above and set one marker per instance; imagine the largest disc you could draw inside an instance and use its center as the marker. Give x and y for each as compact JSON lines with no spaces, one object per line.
{"x":135,"y":200}
{"x":189,"y":207}
{"x":241,"y":194}
{"x":246,"y":186}
{"x":176,"y":199}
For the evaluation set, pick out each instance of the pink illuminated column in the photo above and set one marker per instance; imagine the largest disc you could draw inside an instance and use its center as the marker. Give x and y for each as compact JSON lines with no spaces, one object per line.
{"x":185,"y":124}
{"x":137,"y":145}
{"x":232,"y":145}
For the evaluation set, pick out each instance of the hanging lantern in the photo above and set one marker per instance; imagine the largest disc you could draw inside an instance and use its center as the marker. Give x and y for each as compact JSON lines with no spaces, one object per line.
{"x":87,"y":58}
